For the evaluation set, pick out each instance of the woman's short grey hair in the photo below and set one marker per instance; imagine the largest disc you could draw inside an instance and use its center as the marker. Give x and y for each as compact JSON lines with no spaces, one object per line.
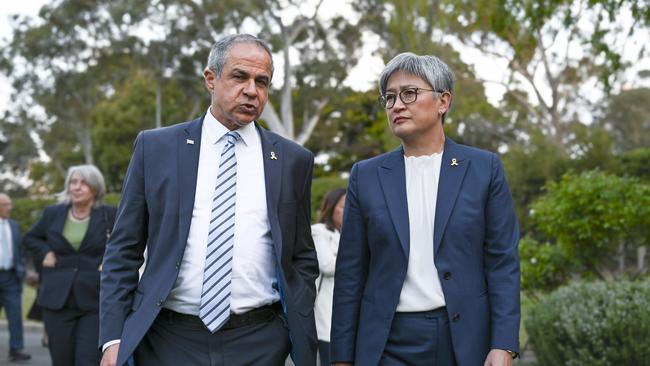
{"x":93,"y":178}
{"x":219,"y":52}
{"x":428,"y":68}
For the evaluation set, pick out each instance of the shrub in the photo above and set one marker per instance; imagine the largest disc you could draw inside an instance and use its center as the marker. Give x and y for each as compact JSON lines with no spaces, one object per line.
{"x":319,"y":187}
{"x":596,"y":324}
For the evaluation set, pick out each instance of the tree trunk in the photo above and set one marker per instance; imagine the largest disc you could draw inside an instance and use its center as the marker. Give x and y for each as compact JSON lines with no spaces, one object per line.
{"x":621,"y":257}
{"x":640,"y":259}
{"x":87,"y":145}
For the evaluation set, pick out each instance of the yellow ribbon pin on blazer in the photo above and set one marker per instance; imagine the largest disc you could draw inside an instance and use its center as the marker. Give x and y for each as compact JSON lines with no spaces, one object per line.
{"x":454,"y":162}
{"x":273,"y":157}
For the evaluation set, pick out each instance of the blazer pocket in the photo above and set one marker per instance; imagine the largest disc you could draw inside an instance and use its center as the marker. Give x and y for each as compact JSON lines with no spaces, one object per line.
{"x":54,"y":288}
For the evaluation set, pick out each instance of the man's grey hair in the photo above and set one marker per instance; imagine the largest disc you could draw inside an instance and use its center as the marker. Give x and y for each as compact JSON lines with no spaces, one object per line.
{"x":93,"y":178}
{"x":428,"y":68}
{"x":219,"y":51}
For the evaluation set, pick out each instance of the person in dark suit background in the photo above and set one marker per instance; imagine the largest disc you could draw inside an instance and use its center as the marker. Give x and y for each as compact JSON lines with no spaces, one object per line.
{"x":69,"y":241}
{"x":427,"y":270}
{"x":222,"y":207}
{"x":12,"y":271}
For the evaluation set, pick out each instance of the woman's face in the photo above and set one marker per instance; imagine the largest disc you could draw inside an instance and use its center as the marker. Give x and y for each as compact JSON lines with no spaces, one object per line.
{"x":80,"y":191}
{"x":337,"y":215}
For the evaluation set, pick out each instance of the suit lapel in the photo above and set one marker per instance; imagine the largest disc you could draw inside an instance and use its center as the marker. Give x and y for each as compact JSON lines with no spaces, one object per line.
{"x":189,"y":147}
{"x":392,"y":177}
{"x":95,"y":219}
{"x":452,"y":171}
{"x":273,"y":179}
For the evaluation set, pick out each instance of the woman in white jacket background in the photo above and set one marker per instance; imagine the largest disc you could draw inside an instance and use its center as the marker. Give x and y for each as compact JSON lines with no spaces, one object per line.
{"x":326,"y":235}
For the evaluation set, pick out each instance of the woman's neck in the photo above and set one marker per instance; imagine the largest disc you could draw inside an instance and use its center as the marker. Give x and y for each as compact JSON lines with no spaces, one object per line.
{"x":81,"y":211}
{"x":424,"y":146}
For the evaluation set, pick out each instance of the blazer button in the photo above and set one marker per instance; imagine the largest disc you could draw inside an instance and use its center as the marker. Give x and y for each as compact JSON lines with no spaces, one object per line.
{"x":447,"y":275}
{"x":455,"y":318}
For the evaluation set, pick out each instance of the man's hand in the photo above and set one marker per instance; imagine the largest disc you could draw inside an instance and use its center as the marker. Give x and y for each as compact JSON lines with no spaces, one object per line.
{"x":109,"y":358}
{"x":49,"y":260}
{"x":498,"y":357}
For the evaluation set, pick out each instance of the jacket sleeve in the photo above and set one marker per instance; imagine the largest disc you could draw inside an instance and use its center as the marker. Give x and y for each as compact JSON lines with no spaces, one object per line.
{"x":124,"y":250}
{"x":350,"y":277}
{"x":35,"y":239}
{"x":304,"y":254}
{"x":502,"y":262}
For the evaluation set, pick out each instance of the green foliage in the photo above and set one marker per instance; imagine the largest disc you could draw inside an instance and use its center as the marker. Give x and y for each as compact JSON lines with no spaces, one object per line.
{"x":544,"y":266}
{"x":635,"y":163}
{"x":28,"y":210}
{"x":118,"y":119}
{"x":627,"y":117}
{"x":319,"y":187}
{"x":353,"y":128}
{"x":528,"y":168}
{"x":594,"y":215}
{"x":596,"y":324}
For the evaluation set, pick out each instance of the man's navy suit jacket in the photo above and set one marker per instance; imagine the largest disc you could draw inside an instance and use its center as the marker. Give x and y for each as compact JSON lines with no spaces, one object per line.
{"x":155,"y":212}
{"x":475,"y":252}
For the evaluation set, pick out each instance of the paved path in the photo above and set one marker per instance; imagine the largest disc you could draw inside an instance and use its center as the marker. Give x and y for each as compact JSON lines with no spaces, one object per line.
{"x":32,"y":333}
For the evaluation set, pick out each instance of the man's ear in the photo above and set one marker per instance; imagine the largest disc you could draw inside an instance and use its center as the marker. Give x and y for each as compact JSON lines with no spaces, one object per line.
{"x":209,"y":78}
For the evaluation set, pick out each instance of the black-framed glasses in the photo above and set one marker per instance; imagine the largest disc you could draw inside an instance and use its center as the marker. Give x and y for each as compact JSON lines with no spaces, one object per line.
{"x":407,"y":96}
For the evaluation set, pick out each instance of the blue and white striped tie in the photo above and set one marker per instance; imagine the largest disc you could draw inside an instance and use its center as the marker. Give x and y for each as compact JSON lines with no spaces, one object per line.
{"x":215,"y":297}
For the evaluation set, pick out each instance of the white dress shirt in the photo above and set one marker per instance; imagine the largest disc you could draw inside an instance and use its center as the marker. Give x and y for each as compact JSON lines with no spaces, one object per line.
{"x":254,"y":281}
{"x":326,"y":243}
{"x":421,"y":290}
{"x":6,"y":246}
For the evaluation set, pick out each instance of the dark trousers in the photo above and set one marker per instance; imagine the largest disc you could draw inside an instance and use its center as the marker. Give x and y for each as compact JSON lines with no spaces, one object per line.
{"x":419,"y":338}
{"x":324,"y":353}
{"x":73,"y":335}
{"x":178,"y":339}
{"x":11,"y":290}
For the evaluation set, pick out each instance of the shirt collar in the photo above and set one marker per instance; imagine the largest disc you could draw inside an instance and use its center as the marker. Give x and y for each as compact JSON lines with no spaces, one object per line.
{"x":216,"y":130}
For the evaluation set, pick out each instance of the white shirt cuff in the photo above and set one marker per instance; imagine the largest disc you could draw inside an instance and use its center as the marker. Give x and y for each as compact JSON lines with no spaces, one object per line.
{"x":110,"y":343}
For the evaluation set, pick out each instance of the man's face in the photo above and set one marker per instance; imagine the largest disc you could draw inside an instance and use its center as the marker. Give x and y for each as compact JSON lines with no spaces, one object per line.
{"x":5,"y":206}
{"x":240,"y":93}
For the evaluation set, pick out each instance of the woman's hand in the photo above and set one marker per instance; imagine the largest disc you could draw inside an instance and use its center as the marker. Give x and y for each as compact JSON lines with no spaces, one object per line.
{"x":50,"y":260}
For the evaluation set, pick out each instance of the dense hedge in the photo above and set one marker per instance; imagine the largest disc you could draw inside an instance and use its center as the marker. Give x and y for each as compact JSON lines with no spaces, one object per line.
{"x":319,"y":187}
{"x":26,"y":211}
{"x":596,"y":324}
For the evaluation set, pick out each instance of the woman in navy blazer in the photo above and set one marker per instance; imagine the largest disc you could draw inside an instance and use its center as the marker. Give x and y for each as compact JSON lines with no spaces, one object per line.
{"x":68,"y":243}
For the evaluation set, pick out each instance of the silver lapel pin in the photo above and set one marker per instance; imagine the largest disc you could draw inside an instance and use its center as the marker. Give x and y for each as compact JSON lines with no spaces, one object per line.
{"x":273,"y":156}
{"x":454,"y":162}
{"x":189,"y":142}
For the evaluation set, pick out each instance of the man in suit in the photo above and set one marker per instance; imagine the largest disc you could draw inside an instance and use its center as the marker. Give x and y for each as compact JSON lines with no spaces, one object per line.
{"x":12,"y":271}
{"x":223,"y":209}
{"x":427,"y":270}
